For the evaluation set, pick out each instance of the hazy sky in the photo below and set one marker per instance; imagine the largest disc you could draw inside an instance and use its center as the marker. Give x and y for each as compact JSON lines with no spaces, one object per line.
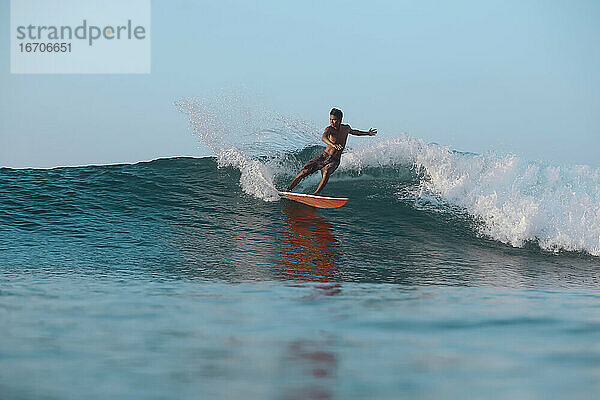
{"x":507,"y":76}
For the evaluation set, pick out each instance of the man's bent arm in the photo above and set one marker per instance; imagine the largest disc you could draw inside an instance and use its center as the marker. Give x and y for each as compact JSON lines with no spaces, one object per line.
{"x":328,"y":142}
{"x":325,"y":139}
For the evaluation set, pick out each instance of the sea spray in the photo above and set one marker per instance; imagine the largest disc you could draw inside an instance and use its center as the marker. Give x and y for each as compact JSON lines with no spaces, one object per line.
{"x":249,"y":137}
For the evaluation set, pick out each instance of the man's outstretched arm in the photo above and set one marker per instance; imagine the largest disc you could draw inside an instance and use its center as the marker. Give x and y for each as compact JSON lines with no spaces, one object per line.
{"x":370,"y":132}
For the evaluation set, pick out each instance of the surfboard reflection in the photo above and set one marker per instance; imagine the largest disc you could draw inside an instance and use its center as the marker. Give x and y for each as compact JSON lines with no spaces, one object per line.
{"x":309,"y":249}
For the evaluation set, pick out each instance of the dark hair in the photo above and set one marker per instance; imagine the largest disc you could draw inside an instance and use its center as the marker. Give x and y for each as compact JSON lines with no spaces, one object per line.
{"x":336,"y":113}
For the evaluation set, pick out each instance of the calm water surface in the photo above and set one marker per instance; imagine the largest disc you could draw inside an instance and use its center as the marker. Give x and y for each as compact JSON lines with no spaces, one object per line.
{"x":164,"y":280}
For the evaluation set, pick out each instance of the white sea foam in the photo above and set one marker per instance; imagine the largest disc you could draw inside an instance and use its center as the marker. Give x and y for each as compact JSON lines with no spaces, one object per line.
{"x":517,"y":201}
{"x":256,"y":177}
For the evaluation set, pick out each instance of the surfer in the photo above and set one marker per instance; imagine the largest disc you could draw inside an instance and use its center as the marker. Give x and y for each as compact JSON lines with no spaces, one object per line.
{"x":335,"y":137}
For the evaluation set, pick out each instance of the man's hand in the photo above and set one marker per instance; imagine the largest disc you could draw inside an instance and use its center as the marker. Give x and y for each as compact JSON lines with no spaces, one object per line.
{"x":372,"y":132}
{"x":338,"y":147}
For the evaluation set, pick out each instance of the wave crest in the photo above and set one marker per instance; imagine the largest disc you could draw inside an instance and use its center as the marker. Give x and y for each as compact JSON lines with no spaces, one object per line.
{"x":516,"y":201}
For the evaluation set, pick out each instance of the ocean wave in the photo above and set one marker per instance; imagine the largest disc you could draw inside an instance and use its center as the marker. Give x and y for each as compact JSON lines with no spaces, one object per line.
{"x":513,"y":200}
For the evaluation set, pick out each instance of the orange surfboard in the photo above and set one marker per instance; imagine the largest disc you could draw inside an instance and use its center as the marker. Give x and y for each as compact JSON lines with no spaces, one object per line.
{"x":316,"y":201}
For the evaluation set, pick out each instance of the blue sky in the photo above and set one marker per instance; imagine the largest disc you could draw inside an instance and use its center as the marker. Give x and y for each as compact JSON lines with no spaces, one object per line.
{"x":505,"y":76}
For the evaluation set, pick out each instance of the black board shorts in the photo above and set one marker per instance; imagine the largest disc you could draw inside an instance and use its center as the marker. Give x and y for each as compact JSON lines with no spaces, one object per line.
{"x":324,"y":162}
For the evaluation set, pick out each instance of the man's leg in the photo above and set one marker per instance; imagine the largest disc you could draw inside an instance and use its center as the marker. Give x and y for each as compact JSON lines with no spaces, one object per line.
{"x":325,"y":177}
{"x":297,"y":179}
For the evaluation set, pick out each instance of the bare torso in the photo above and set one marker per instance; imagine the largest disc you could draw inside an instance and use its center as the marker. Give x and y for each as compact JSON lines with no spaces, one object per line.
{"x":337,"y":136}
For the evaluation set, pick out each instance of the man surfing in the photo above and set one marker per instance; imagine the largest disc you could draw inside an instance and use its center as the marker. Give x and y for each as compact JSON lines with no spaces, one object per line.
{"x":335,"y":137}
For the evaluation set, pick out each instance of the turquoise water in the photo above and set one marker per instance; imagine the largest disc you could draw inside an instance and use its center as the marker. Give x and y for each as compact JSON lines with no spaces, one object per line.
{"x":171,"y":279}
